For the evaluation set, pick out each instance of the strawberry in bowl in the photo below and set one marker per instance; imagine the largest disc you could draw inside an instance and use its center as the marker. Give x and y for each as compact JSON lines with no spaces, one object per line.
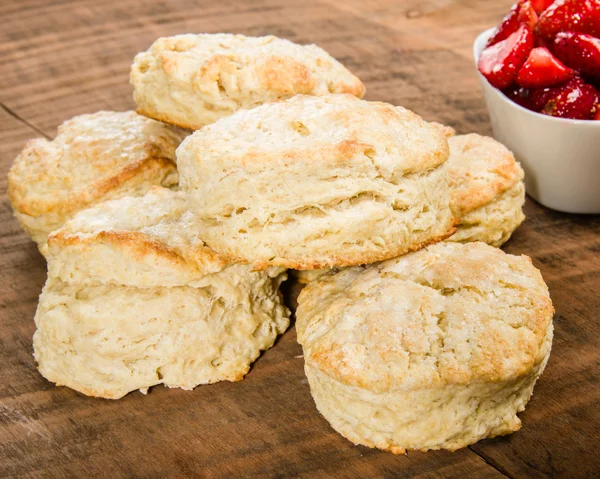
{"x":545,"y":56}
{"x":540,"y":74}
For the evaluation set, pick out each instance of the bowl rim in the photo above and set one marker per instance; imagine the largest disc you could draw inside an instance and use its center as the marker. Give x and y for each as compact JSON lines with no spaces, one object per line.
{"x":478,"y":46}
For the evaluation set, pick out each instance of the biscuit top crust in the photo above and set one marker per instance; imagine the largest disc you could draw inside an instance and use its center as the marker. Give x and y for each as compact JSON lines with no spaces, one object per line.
{"x":447,"y":314}
{"x":479,"y":170}
{"x":335,"y":131}
{"x":234,"y":71}
{"x":90,"y":156}
{"x":150,"y":234}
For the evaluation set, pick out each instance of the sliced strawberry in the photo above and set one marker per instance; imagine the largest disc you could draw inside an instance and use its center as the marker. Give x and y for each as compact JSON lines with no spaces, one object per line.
{"x":521,"y":96}
{"x":520,"y":13}
{"x":508,"y":25}
{"x":543,"y":69}
{"x":581,"y":16}
{"x":527,"y":15}
{"x":501,"y":62}
{"x":578,"y":103}
{"x":539,"y":97}
{"x":540,"y":5}
{"x":579,"y":51}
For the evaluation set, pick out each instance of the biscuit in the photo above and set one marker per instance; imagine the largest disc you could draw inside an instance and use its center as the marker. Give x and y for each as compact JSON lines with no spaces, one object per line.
{"x":134,"y":298}
{"x":487,"y":189}
{"x":308,"y":275}
{"x":314,"y":182}
{"x":194,"y":80}
{"x":96,"y":157}
{"x":436,"y":349}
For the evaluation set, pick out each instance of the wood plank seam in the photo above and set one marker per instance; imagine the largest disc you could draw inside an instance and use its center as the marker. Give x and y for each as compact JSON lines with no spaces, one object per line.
{"x":490,"y":462}
{"x":24,"y":121}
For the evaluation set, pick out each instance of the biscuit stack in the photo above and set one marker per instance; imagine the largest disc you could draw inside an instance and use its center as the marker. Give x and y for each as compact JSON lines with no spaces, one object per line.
{"x":134,"y":298}
{"x":166,"y":247}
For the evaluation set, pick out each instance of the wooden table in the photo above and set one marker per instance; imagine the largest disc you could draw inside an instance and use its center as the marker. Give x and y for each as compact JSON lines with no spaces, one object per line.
{"x":62,"y":58}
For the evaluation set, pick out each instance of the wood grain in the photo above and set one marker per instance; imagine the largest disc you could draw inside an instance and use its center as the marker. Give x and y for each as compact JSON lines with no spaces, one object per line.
{"x":61,"y":58}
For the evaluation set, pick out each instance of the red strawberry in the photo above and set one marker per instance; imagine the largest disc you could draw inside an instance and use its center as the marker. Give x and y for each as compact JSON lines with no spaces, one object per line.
{"x":597,"y":114}
{"x":521,"y":96}
{"x":540,"y":5}
{"x":579,"y":51}
{"x":508,"y":25}
{"x":539,"y":97}
{"x":520,"y":13}
{"x":527,"y":15}
{"x":543,"y":69}
{"x":501,"y":62}
{"x":570,"y":16}
{"x":578,"y":103}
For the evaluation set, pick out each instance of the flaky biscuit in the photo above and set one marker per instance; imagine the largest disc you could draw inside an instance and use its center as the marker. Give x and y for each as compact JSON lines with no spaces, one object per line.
{"x":193,"y":80}
{"x":487,"y":189}
{"x":144,"y":241}
{"x":436,"y":349}
{"x":315,"y":182}
{"x":96,"y":157}
{"x":134,"y":299}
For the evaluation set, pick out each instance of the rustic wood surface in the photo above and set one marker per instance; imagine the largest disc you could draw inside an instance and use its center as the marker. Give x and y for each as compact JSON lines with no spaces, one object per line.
{"x":62,"y":58}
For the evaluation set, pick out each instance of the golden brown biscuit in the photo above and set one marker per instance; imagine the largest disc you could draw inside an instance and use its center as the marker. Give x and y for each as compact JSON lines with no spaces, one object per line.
{"x":93,"y":158}
{"x":194,"y":80}
{"x":487,"y":189}
{"x":134,"y":298}
{"x":314,"y":182}
{"x":436,"y":349}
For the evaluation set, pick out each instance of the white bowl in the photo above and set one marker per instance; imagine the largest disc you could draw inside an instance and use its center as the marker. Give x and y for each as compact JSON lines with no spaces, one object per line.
{"x":561,"y":157}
